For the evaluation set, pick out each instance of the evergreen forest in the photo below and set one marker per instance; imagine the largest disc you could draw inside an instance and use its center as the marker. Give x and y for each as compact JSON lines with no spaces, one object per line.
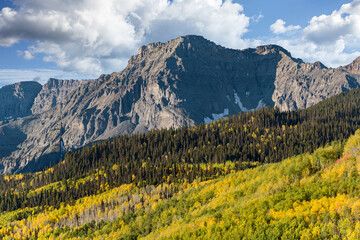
{"x":264,"y":174}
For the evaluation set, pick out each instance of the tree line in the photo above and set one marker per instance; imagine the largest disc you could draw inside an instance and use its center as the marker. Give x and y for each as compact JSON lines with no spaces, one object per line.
{"x":182,"y":155}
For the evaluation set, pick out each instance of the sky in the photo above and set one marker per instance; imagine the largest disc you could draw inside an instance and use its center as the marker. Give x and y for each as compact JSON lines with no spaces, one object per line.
{"x":85,"y":38}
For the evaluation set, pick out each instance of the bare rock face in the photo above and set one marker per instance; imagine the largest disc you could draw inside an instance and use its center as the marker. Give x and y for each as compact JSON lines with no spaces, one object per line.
{"x":183,"y":82}
{"x":353,"y":68}
{"x":300,"y":85}
{"x":53,"y":93}
{"x":16,"y":99}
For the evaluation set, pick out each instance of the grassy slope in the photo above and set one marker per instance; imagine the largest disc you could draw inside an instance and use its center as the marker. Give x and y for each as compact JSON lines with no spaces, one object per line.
{"x":303,"y":197}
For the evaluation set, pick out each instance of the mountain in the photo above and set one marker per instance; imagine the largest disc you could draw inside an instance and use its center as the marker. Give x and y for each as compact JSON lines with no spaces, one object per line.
{"x":308,"y":196}
{"x":186,"y":154}
{"x":16,"y":99}
{"x":301,"y":85}
{"x":53,"y":93}
{"x":353,"y":68}
{"x":183,"y":82}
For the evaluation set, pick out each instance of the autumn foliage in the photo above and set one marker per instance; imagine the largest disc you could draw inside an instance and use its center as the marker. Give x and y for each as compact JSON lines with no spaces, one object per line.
{"x":259,"y":175}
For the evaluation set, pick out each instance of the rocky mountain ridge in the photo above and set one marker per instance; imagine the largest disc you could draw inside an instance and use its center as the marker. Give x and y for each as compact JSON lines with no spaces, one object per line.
{"x":183,"y":82}
{"x":52,"y":93}
{"x":16,"y":99}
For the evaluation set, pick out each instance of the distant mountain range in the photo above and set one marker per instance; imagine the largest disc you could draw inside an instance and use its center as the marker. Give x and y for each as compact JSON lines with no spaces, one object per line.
{"x":183,"y":82}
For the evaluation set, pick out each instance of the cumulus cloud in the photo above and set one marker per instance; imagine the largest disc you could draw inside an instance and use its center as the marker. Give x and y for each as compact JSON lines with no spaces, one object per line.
{"x":332,"y":39}
{"x":341,"y":24}
{"x":93,"y":37}
{"x":333,"y":55}
{"x":27,"y":55}
{"x":279,"y":27}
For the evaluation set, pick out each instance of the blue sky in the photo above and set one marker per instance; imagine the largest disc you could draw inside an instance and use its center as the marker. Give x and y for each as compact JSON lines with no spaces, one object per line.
{"x":82,"y":39}
{"x":294,"y":12}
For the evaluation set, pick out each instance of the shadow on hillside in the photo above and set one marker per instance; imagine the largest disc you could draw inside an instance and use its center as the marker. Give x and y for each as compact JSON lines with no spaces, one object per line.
{"x":10,"y":138}
{"x":42,"y":163}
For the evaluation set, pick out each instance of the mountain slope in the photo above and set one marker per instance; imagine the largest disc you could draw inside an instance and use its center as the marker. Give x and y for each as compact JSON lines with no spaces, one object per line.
{"x":310,"y":196}
{"x":183,"y":155}
{"x":53,"y":93}
{"x":183,"y":82}
{"x":17,"y":99}
{"x":301,"y":85}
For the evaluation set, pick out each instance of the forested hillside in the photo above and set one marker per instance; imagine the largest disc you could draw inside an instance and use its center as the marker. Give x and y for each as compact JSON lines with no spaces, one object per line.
{"x":303,"y":197}
{"x":170,"y":182}
{"x":172,"y":156}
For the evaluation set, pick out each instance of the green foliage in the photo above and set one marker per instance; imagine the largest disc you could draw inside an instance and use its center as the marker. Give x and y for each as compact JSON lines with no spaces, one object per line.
{"x":182,"y":155}
{"x":172,"y":180}
{"x":352,"y":145}
{"x":325,"y":156}
{"x":293,"y":199}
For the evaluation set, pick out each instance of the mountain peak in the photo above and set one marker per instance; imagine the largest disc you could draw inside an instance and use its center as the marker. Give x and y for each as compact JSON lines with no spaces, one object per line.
{"x":179,"y":46}
{"x":353,"y":67}
{"x":190,"y":38}
{"x":275,"y":49}
{"x":319,"y":65}
{"x":185,"y":81}
{"x":22,"y":84}
{"x":271,"y":48}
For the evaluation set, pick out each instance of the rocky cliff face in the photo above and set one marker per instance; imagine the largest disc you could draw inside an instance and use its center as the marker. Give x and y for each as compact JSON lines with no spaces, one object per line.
{"x":300,"y":85}
{"x":186,"y":81}
{"x":17,"y":99}
{"x":353,"y":68}
{"x":52,"y":93}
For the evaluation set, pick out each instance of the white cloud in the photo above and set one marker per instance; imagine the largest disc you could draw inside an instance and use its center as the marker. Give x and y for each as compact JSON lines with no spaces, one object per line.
{"x":27,"y":55}
{"x":94,"y":37}
{"x":279,"y":27}
{"x":332,"y":39}
{"x":333,"y":55}
{"x":257,"y":18}
{"x":341,"y":24}
{"x":9,"y":76}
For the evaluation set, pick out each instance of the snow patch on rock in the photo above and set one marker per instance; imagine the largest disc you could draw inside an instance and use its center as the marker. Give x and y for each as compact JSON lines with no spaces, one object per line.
{"x":216,"y":116}
{"x":238,"y":102}
{"x":261,"y":104}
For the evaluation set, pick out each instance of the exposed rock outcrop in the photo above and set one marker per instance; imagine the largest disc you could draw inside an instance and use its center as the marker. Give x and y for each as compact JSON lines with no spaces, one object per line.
{"x":300,"y":85}
{"x":353,"y":68}
{"x":16,"y":99}
{"x":53,"y":93}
